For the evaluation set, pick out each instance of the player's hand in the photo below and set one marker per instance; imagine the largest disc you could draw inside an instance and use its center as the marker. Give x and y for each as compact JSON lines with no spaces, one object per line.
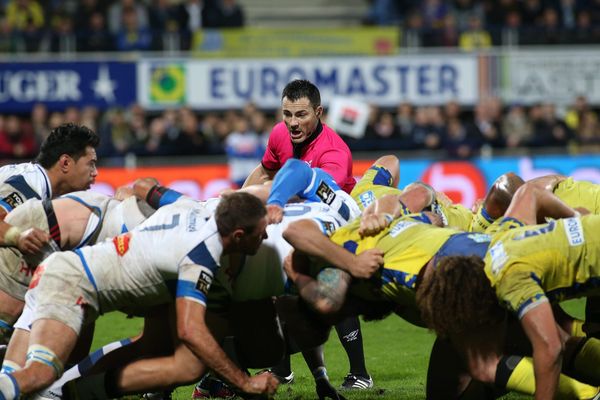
{"x":32,"y":240}
{"x":265,"y":383}
{"x":372,"y":224}
{"x":274,"y":214}
{"x":476,"y":205}
{"x":142,"y":186}
{"x":366,"y":263}
{"x":441,"y":197}
{"x":435,"y":219}
{"x":582,"y":210}
{"x":326,"y":391}
{"x":123,"y":192}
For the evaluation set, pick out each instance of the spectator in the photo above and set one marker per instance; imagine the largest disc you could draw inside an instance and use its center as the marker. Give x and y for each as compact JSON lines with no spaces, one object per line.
{"x":516,"y":127}
{"x":17,"y":140}
{"x":383,"y":12}
{"x":8,"y":37}
{"x":434,"y":12}
{"x":404,"y":119}
{"x":132,"y":36}
{"x":548,"y":129}
{"x":426,"y":133}
{"x":463,"y":10}
{"x":445,"y":36}
{"x":531,"y":12}
{"x":23,"y":15}
{"x":457,"y":142}
{"x":95,"y":36}
{"x":244,"y":149}
{"x":86,"y":9}
{"x":62,"y":35}
{"x":39,"y":122}
{"x":588,"y":133}
{"x":485,"y":124}
{"x":116,"y":15}
{"x":231,"y":14}
{"x":575,"y":112}
{"x":475,"y":38}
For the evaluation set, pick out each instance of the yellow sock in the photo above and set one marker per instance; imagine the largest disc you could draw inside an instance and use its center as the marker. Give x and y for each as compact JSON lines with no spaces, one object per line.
{"x":481,"y":220}
{"x":587,"y":361}
{"x":522,"y":380}
{"x":577,"y":328}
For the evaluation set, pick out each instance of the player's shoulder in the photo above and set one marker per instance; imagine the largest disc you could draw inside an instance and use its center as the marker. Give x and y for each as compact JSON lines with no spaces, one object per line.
{"x":28,"y":168}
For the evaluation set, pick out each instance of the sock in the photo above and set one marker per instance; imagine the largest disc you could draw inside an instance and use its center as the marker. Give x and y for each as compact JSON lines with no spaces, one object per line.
{"x":320,"y":373}
{"x":585,"y":364}
{"x":515,"y":373}
{"x":86,"y":364}
{"x":9,"y":388}
{"x":577,"y":328}
{"x":8,"y":367}
{"x":481,"y":220}
{"x":350,"y":336}
{"x":284,"y":368}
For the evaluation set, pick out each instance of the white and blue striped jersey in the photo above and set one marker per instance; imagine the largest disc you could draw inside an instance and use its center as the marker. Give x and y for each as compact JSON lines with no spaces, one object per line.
{"x":21,"y":182}
{"x":174,"y":253}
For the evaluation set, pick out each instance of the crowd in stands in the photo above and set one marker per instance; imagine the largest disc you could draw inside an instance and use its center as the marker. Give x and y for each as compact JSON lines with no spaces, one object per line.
{"x":156,"y":25}
{"x":452,"y":130}
{"x":476,"y":24}
{"x":118,"y":25}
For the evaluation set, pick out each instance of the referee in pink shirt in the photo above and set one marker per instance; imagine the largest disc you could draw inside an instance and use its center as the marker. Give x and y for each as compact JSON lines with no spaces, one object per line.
{"x":302,"y":135}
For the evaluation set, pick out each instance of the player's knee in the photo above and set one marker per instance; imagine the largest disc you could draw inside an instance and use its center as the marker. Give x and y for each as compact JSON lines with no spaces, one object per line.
{"x":183,"y":372}
{"x":483,"y":370}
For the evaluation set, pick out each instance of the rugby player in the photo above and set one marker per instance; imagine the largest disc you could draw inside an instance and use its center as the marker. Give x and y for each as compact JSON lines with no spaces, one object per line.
{"x":131,"y":272}
{"x":527,"y":269}
{"x":410,"y":249}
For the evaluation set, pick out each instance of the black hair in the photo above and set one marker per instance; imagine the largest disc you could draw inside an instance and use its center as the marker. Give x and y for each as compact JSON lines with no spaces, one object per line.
{"x":68,"y":139}
{"x":301,"y":88}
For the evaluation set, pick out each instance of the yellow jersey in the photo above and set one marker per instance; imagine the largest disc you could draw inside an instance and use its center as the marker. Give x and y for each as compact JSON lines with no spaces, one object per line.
{"x":553,"y":262}
{"x":376,"y":182}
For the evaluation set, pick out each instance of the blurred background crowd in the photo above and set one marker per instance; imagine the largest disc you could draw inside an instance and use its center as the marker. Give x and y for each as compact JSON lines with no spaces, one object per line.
{"x":157,"y":25}
{"x":457,"y":132}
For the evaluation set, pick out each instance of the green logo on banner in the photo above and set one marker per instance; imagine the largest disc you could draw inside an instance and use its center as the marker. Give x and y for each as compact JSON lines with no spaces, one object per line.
{"x":167,"y":84}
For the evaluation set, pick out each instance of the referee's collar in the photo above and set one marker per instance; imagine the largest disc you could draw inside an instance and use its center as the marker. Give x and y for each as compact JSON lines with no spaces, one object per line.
{"x":299,"y":147}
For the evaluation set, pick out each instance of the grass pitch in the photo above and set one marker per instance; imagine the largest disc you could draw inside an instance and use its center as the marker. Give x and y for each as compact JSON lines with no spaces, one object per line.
{"x":396,"y":354}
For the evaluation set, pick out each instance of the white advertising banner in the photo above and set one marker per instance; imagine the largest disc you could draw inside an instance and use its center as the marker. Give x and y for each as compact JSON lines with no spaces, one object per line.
{"x":384,"y":81}
{"x":551,"y":76}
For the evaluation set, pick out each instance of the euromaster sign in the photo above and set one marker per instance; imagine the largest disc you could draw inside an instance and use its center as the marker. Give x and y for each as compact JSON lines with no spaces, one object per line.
{"x":62,"y":84}
{"x":385,"y":81}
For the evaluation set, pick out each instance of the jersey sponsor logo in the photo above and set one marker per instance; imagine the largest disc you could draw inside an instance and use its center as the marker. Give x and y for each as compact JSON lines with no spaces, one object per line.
{"x":204,"y":281}
{"x":14,"y":199}
{"x":191,"y":220}
{"x":328,"y":227}
{"x":574,"y":231}
{"x":479,"y":237}
{"x":366,"y":198}
{"x":121,"y":243}
{"x":325,"y":193}
{"x":401,"y":226}
{"x":499,"y":258}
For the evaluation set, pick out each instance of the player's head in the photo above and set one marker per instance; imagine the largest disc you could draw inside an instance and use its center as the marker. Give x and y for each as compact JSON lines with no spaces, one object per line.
{"x":301,"y":108}
{"x":456,"y":297}
{"x":501,"y":193}
{"x":71,"y":150}
{"x":241,"y":218}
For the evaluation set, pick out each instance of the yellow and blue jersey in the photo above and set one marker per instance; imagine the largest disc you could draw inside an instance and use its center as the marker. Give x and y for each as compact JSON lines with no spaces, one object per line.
{"x":579,"y":194}
{"x":375,"y":183}
{"x":408,"y":244}
{"x":553,"y":262}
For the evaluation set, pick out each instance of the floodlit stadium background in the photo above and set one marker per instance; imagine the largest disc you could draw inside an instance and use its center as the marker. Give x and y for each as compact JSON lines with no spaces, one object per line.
{"x":460,"y":90}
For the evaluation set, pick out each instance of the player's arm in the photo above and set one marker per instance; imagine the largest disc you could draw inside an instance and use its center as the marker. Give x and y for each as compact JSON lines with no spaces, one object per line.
{"x":192,"y":330}
{"x":149,"y":190}
{"x":547,"y":182}
{"x":193,"y":283}
{"x":292,"y":179}
{"x":326,"y":293}
{"x":28,"y":241}
{"x":304,"y":235}
{"x":542,"y":331}
{"x":260,"y":174}
{"x":531,"y":204}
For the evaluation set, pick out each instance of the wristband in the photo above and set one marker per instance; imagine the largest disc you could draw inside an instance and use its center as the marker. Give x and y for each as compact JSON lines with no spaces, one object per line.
{"x":11,"y":237}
